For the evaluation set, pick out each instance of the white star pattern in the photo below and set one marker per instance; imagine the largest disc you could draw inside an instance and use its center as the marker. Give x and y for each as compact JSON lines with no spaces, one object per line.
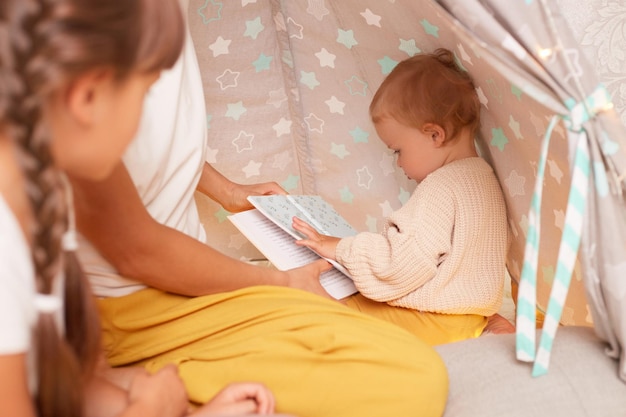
{"x":515,"y":184}
{"x":243,"y":142}
{"x":387,"y":163}
{"x":281,"y":160}
{"x":317,"y":9}
{"x":385,"y":208}
{"x":283,"y":127}
{"x":371,"y":224}
{"x":318,"y":165}
{"x":339,"y":150}
{"x":559,"y":219}
{"x":295,"y":29}
{"x":365,"y":177}
{"x":237,"y":241}
{"x":252,"y":169}
{"x":514,"y":125}
{"x":220,"y":47}
{"x":482,"y":98}
{"x":464,"y":55}
{"x":326,"y":58}
{"x":227,"y":79}
{"x":314,"y":123}
{"x":277,"y":97}
{"x":538,"y":124}
{"x":523,"y":224}
{"x":235,"y":110}
{"x":371,"y":18}
{"x":554,"y":170}
{"x":334,"y":105}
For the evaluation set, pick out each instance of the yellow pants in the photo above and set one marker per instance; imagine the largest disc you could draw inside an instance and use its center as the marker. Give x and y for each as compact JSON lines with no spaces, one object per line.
{"x":432,"y":328}
{"x":320,"y":358}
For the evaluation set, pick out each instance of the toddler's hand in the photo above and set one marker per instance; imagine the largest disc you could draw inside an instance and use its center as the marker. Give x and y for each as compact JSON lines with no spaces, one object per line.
{"x":237,"y":399}
{"x":321,"y":244}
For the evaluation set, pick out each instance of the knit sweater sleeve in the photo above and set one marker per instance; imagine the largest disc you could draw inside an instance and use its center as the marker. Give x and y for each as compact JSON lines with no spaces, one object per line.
{"x":405,"y":256}
{"x":444,"y":251}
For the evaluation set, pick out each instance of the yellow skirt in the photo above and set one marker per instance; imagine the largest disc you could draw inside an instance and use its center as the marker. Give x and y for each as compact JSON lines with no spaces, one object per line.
{"x":320,"y":358}
{"x":432,"y":328}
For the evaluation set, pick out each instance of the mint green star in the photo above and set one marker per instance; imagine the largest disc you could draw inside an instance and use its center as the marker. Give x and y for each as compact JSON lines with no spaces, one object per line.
{"x":346,"y":195}
{"x":354,"y":84}
{"x":209,"y":117}
{"x":212,"y":12}
{"x":291,"y":183}
{"x":346,"y":37}
{"x":404,"y":196}
{"x":339,"y":151}
{"x":386,"y":64}
{"x":359,"y":135}
{"x":235,"y":110}
{"x":409,"y":47}
{"x":221,"y":214}
{"x":517,"y":92}
{"x":262,"y":62}
{"x":309,"y":79}
{"x":429,"y":28}
{"x":499,"y":139}
{"x":253,"y":28}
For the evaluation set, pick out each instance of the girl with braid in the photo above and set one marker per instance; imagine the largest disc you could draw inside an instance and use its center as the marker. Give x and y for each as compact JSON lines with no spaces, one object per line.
{"x":73,"y":75}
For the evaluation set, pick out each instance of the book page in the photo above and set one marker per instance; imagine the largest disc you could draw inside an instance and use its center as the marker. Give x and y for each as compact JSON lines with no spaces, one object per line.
{"x":311,"y":208}
{"x":279,"y":248}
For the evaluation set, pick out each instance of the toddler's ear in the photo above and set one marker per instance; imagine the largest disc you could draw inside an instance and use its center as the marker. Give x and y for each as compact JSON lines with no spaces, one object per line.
{"x":436,"y":132}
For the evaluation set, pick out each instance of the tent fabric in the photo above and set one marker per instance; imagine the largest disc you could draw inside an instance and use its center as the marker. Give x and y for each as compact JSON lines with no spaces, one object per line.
{"x":533,"y":36}
{"x":319,"y":64}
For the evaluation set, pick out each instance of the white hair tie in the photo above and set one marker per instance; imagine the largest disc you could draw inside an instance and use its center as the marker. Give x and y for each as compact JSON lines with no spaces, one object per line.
{"x":69,"y":241}
{"x":47,"y":303}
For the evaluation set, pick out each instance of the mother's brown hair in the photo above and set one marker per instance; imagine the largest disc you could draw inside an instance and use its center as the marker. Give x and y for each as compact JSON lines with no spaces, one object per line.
{"x":44,"y":46}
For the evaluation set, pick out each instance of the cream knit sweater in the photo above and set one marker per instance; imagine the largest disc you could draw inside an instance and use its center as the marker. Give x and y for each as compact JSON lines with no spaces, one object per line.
{"x":444,"y":251}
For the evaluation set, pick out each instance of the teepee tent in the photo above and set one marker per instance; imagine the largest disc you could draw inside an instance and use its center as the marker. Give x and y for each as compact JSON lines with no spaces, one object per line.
{"x":549,"y":129}
{"x":535,"y":50}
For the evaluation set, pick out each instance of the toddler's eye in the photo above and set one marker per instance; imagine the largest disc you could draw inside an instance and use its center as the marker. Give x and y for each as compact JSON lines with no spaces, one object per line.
{"x":396,"y":152}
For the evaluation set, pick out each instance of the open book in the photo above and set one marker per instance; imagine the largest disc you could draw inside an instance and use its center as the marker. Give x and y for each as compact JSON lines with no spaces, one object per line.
{"x":268,"y":227}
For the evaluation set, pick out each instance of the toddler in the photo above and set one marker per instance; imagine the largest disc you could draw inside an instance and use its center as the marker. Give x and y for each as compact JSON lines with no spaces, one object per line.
{"x":441,"y":255}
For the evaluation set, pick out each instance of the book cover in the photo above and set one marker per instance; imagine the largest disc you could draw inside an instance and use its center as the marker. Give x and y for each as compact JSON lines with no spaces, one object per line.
{"x":268,"y":228}
{"x":311,"y":208}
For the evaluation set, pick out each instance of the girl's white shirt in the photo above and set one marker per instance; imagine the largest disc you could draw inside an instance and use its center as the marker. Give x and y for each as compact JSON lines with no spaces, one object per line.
{"x":17,"y":290}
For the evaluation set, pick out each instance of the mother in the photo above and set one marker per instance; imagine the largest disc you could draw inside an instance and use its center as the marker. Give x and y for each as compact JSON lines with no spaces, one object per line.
{"x":166,"y":296}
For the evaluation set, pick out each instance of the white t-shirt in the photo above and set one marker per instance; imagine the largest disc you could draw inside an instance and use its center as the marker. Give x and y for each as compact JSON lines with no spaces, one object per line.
{"x":17,"y":290}
{"x":165,"y":162}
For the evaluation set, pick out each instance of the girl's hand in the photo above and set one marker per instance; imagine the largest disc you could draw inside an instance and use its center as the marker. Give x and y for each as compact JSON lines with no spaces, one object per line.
{"x":239,"y":399}
{"x":323,"y":245}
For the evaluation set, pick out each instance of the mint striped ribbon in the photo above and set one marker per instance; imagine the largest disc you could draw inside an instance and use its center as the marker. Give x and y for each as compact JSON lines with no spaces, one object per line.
{"x":570,"y":239}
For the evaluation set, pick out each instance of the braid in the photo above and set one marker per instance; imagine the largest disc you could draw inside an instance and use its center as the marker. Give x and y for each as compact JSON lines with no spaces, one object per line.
{"x":44,"y":46}
{"x":59,"y":369}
